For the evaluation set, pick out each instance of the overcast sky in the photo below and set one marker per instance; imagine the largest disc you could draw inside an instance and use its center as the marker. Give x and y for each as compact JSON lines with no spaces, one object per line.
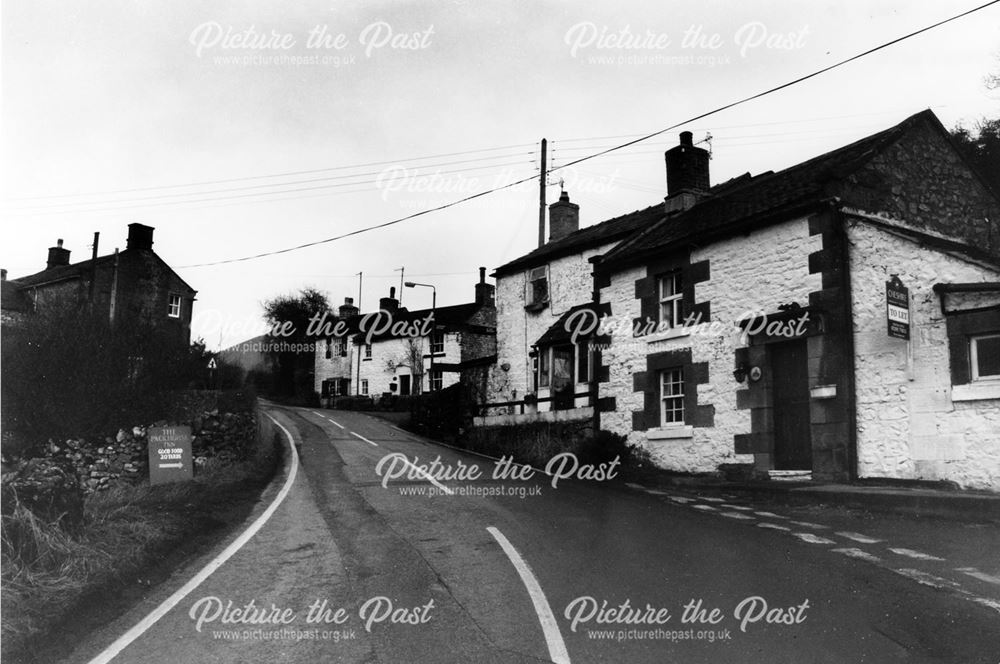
{"x":236,"y":128}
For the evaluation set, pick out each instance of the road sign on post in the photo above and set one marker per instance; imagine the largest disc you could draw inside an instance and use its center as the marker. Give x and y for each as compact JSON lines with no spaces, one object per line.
{"x":897,"y":308}
{"x":170,"y":454}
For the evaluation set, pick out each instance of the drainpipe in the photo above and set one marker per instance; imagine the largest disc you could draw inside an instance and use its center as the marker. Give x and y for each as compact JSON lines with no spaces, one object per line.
{"x":114,"y":289}
{"x":840,"y":223}
{"x":593,"y":384}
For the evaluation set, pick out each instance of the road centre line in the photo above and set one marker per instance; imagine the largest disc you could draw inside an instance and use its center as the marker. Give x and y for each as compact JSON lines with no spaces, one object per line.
{"x":858,"y":537}
{"x":976,"y":574}
{"x":328,"y":418}
{"x":420,"y":471}
{"x":910,"y":553}
{"x":813,"y":539}
{"x":131,"y":635}
{"x":357,"y":435}
{"x":550,"y":628}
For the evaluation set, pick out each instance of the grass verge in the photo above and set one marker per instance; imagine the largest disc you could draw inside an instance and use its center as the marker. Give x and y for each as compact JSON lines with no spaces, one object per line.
{"x":132,"y":537}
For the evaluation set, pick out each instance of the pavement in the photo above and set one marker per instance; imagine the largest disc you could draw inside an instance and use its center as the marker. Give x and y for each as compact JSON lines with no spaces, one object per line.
{"x":437,"y":567}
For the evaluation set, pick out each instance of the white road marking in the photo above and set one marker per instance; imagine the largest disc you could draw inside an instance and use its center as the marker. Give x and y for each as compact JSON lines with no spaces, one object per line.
{"x":741,"y":508}
{"x":550,"y":628}
{"x":357,"y":435}
{"x":928,"y":579}
{"x":633,"y":485}
{"x":706,"y":508}
{"x":813,"y":539}
{"x":992,"y":603}
{"x":772,"y":526}
{"x":327,"y":418}
{"x":736,"y":515}
{"x":859,"y":554}
{"x":976,"y":574}
{"x":128,"y":637}
{"x":858,"y":537}
{"x":711,"y":500}
{"x":656,"y":492}
{"x":770,"y":515}
{"x":808,"y":524}
{"x":398,"y":429}
{"x":681,"y":500}
{"x":910,"y":553}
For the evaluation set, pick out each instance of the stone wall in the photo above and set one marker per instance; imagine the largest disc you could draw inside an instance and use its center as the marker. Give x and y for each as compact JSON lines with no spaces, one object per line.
{"x":922,"y":179}
{"x":570,"y":284}
{"x":749,"y":274}
{"x":909,"y":427}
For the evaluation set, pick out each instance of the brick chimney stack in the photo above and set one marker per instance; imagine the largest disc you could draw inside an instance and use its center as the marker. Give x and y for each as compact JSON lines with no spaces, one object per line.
{"x":347,"y":309}
{"x":564,"y":218}
{"x":390,"y":304}
{"x":140,"y":237}
{"x":57,"y":256}
{"x":687,"y":173}
{"x":485,"y":293}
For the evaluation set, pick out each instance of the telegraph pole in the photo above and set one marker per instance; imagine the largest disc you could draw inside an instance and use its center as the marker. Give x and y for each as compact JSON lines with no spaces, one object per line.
{"x":541,"y":195}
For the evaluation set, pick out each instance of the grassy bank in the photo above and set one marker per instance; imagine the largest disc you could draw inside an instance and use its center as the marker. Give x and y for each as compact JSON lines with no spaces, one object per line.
{"x":131,"y":537}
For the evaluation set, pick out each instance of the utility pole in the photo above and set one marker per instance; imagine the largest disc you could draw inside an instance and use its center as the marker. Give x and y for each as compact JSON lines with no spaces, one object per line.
{"x":541,"y":195}
{"x":401,"y":271}
{"x":357,"y":381}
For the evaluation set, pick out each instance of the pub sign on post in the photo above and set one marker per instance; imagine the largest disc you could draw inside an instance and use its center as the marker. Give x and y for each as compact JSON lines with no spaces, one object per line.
{"x":170,"y":454}
{"x":897,"y":308}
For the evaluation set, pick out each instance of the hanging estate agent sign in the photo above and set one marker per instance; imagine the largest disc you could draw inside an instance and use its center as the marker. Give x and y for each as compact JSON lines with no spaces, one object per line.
{"x":170,"y":454}
{"x":897,"y":308}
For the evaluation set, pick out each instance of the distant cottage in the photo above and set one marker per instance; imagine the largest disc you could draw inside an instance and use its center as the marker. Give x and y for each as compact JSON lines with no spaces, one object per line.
{"x":747,"y":325}
{"x":133,"y":285}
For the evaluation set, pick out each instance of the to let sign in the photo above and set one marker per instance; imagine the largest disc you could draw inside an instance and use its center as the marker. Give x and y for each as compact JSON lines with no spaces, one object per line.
{"x":897,"y":308}
{"x":170,"y":454}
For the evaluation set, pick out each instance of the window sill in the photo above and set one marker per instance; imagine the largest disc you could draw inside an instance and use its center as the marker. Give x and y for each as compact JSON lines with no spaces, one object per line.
{"x":976,"y":391}
{"x":674,"y":333}
{"x":535,"y":307}
{"x":670,"y":433}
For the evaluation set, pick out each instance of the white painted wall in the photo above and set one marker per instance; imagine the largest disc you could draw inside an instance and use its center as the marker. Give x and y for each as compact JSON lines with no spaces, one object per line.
{"x":909,"y":427}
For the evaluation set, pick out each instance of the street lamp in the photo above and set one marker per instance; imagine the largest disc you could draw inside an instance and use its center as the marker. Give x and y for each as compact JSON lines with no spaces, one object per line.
{"x":413,"y":284}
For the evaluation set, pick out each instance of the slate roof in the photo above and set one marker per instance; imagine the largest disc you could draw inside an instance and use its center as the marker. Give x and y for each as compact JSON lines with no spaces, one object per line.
{"x":451,"y":317}
{"x":78,"y":270}
{"x":611,"y":230}
{"x":747,"y":201}
{"x":560,"y":332}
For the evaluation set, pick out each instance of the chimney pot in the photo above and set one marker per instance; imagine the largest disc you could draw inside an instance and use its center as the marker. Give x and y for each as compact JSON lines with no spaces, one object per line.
{"x":58,"y":256}
{"x":687,"y":170}
{"x":564,"y":218}
{"x":482,"y":275}
{"x":3,"y":274}
{"x":486,"y":294}
{"x":140,"y":237}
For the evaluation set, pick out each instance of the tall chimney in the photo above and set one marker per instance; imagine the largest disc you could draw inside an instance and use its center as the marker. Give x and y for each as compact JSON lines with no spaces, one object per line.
{"x":564,"y":218}
{"x":3,"y":274}
{"x":485,"y":293}
{"x":347,"y":309}
{"x":57,"y":256}
{"x":687,"y":171}
{"x":390,"y":304}
{"x":140,"y":237}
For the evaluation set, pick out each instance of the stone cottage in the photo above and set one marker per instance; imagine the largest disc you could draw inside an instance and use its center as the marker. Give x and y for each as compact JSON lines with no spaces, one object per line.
{"x":838,"y":319}
{"x":131,"y":285}
{"x":395,"y":351}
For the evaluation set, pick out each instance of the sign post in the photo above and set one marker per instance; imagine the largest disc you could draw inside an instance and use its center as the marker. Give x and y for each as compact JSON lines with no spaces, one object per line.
{"x":170,"y":454}
{"x":897,"y":308}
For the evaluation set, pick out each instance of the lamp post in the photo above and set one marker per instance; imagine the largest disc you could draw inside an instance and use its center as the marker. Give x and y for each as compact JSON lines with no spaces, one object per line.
{"x":413,"y":284}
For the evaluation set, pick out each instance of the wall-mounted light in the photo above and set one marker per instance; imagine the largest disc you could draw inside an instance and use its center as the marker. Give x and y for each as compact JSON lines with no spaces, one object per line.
{"x":740,"y":373}
{"x":505,"y":366}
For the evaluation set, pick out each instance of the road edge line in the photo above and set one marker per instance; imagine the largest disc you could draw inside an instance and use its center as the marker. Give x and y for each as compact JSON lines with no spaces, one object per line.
{"x":140,"y":628}
{"x":550,"y":627}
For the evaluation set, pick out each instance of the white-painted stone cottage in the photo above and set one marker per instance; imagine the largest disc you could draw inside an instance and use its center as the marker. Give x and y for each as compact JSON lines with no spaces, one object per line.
{"x":762,"y":323}
{"x":367,"y":355}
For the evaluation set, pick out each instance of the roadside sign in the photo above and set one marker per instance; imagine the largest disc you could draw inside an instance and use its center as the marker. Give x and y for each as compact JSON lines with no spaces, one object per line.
{"x":212,"y":364}
{"x":897,"y":308}
{"x":170,"y":454}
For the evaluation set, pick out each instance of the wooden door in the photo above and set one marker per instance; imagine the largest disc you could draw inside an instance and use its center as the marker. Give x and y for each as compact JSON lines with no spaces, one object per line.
{"x":792,"y":440}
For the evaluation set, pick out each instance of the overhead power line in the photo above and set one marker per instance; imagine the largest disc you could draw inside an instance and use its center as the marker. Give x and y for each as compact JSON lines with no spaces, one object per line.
{"x":595,"y":155}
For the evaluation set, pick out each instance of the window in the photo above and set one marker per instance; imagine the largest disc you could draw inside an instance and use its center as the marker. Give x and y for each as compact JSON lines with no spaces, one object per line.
{"x":543,"y":368}
{"x":364,"y":386}
{"x":984,"y":357}
{"x":174,"y":306}
{"x":329,"y":349}
{"x":437,"y":343}
{"x":342,"y":347}
{"x":437,"y":381}
{"x":538,"y":285}
{"x":672,"y":397}
{"x":583,"y":362}
{"x":368,"y":351}
{"x":671,"y":292}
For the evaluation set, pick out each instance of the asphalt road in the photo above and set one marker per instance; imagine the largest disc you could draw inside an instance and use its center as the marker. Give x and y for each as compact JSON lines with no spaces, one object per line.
{"x":542,"y":573}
